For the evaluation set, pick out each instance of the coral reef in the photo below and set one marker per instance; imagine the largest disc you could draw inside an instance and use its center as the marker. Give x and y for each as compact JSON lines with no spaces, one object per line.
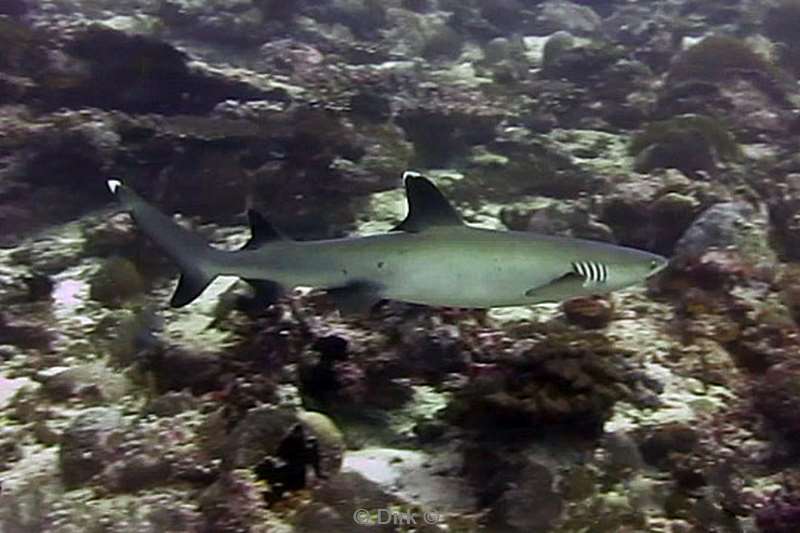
{"x":690,"y":143}
{"x":559,"y":381}
{"x":718,"y":57}
{"x":779,"y":21}
{"x":665,"y":126}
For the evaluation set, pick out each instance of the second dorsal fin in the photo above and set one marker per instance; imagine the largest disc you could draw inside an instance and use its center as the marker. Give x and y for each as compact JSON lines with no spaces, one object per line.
{"x":262,"y":230}
{"x":427,"y":206}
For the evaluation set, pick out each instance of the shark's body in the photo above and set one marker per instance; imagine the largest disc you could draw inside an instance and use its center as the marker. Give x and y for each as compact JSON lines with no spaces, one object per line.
{"x":431,"y":258}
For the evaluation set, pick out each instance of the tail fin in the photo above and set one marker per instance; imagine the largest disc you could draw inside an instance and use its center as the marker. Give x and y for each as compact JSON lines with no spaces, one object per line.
{"x":193,"y":255}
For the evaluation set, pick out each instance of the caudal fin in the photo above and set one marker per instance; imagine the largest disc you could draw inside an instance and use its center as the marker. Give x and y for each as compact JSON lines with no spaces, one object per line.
{"x":193,"y":255}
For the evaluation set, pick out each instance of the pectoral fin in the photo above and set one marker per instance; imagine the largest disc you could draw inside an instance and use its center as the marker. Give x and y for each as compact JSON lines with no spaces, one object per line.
{"x":355,"y":298}
{"x":563,"y":287}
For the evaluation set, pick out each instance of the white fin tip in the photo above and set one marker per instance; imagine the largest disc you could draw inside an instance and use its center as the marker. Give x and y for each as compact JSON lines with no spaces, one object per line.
{"x":411,"y":174}
{"x":113,"y":185}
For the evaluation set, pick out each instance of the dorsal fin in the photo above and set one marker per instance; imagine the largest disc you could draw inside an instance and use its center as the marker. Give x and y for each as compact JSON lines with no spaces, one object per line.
{"x":427,"y":206}
{"x":261,"y":229}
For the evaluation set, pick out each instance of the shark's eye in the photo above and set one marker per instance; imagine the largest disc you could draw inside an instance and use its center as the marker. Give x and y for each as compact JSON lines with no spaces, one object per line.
{"x":654,"y":264}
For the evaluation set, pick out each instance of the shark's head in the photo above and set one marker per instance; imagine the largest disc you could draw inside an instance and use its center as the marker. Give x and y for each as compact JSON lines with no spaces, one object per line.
{"x":630,"y":266}
{"x":597,"y":268}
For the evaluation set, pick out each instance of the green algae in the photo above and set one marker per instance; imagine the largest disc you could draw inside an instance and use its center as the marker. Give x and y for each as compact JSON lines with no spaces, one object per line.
{"x":716,"y":56}
{"x":688,"y":125}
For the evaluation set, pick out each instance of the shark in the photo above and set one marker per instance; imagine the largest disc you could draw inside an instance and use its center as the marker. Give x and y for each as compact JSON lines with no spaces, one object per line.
{"x":431,"y":258}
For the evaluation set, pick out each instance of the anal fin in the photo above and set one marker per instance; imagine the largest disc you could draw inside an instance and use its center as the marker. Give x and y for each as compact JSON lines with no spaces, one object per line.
{"x":355,"y":298}
{"x":190,"y":285}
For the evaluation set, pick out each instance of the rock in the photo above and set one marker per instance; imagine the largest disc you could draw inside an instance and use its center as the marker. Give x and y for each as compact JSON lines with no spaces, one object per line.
{"x":429,"y":431}
{"x":9,"y":388}
{"x":16,"y":217}
{"x":166,"y":84}
{"x":93,"y":382}
{"x":440,"y":136}
{"x":724,"y":225}
{"x":623,"y":451}
{"x":14,"y":8}
{"x":115,"y":281}
{"x":660,"y":442}
{"x":579,"y":484}
{"x":57,"y":168}
{"x":442,"y":43}
{"x":636,"y":25}
{"x":676,"y":208}
{"x":784,"y":207}
{"x":780,"y":512}
{"x":591,"y":312}
{"x":577,"y":61}
{"x":171,"y":404}
{"x":714,"y":270}
{"x":39,"y":287}
{"x":227,"y":23}
{"x":133,"y":336}
{"x":775,"y":397}
{"x":757,"y":347}
{"x":497,"y":50}
{"x":137,"y":471}
{"x":87,"y":445}
{"x":420,"y":6}
{"x":24,"y":48}
{"x":788,"y":281}
{"x":513,"y":512}
{"x":556,"y":217}
{"x":524,"y":164}
{"x":554,"y":48}
{"x":435,"y":354}
{"x":650,"y":214}
{"x":625,"y":116}
{"x":219,"y":184}
{"x":25,"y":335}
{"x":371,"y":106}
{"x":111,"y":236}
{"x":336,"y":502}
{"x":234,"y":502}
{"x":332,"y":378}
{"x":331,"y":348}
{"x":414,"y":476}
{"x":175,"y":368}
{"x":692,"y":97}
{"x":365,"y":18}
{"x":280,"y":445}
{"x":329,"y":439}
{"x":72,"y":153}
{"x":506,"y":15}
{"x":10,"y":448}
{"x":560,"y":15}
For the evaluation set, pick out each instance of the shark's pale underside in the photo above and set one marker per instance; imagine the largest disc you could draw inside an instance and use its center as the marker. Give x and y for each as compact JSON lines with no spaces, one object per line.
{"x":430,"y":258}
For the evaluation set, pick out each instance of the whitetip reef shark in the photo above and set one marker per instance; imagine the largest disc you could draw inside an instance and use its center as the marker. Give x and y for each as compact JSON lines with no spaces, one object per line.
{"x":431,"y":258}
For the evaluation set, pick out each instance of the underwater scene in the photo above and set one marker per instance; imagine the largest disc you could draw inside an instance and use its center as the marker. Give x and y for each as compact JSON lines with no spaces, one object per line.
{"x":341,"y":266}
